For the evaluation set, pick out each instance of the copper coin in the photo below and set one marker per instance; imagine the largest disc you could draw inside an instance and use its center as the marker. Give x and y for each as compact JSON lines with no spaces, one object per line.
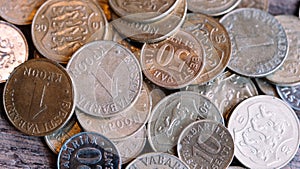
{"x":13,"y":49}
{"x":59,"y":28}
{"x":39,"y":97}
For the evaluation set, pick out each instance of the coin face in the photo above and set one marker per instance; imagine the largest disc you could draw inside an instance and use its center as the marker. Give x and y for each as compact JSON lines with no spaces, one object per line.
{"x":19,"y":12}
{"x":252,"y":31}
{"x":88,"y":150}
{"x":13,"y":49}
{"x":212,"y":8}
{"x":173,"y":113}
{"x":216,"y":44}
{"x":206,"y":144}
{"x":259,"y":4}
{"x":39,"y":97}
{"x":265,"y":131}
{"x":60,"y":28}
{"x":290,"y":95}
{"x":175,"y":62}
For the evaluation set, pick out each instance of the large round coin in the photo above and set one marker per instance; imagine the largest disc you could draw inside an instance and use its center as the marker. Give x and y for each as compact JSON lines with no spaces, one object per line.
{"x":39,"y":97}
{"x":259,"y":42}
{"x":265,"y":131}
{"x":107,"y":77}
{"x":60,"y":28}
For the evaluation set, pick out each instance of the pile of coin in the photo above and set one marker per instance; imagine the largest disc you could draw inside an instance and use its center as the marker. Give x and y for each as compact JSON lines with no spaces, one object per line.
{"x":154,"y":84}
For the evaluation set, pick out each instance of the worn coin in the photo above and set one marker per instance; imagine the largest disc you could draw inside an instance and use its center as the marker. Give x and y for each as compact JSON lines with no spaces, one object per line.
{"x":19,"y":12}
{"x":157,"y":160}
{"x":206,"y":144}
{"x":289,"y":73}
{"x":174,"y":62}
{"x":88,"y":150}
{"x":216,"y":43}
{"x":265,"y":131}
{"x":60,"y":28}
{"x":265,"y":87}
{"x":259,"y":4}
{"x":107,"y":77}
{"x":290,"y":95}
{"x":13,"y":49}
{"x":212,"y":8}
{"x":259,"y":42}
{"x":173,"y":113}
{"x":39,"y":97}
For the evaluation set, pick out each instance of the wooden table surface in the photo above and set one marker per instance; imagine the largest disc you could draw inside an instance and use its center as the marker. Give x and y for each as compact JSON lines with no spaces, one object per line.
{"x":18,"y":150}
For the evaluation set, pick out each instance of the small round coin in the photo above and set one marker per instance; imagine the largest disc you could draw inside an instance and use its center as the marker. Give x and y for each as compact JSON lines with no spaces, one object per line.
{"x":88,"y":150}
{"x":39,"y":97}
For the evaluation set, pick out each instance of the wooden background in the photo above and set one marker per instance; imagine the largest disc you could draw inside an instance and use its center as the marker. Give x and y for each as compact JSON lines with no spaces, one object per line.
{"x":21,"y":151}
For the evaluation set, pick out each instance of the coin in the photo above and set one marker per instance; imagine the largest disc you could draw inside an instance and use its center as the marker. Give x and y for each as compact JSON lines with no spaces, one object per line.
{"x":123,"y":125}
{"x":173,"y":113}
{"x":39,"y":97}
{"x":206,"y":144}
{"x":157,"y":160}
{"x":252,"y":31}
{"x":106,"y":8}
{"x":107,"y":77}
{"x":265,"y":131}
{"x":259,"y":4}
{"x":289,"y":73}
{"x":60,"y":28}
{"x":13,"y":49}
{"x":175,"y":62}
{"x":212,"y":8}
{"x":290,"y":94}
{"x":216,"y":42}
{"x":88,"y":150}
{"x":19,"y":12}
{"x":265,"y":87}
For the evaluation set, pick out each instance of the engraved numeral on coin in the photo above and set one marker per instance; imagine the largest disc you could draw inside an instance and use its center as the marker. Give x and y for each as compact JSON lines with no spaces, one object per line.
{"x":88,"y":156}
{"x":36,"y":108}
{"x":41,"y":28}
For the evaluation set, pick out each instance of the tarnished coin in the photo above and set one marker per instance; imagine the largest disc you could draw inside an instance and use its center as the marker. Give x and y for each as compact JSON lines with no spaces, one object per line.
{"x":13,"y":49}
{"x":267,"y":88}
{"x":157,"y":160}
{"x":59,"y":28}
{"x":107,"y":77}
{"x":265,"y":131}
{"x":289,"y":73}
{"x":212,"y":7}
{"x":290,"y":95}
{"x":174,"y":62}
{"x":259,"y":42}
{"x":173,"y":113}
{"x":216,"y":43}
{"x":206,"y":144}
{"x":88,"y":150}
{"x":39,"y":97}
{"x":123,"y":125}
{"x":57,"y":139}
{"x":259,"y":4}
{"x":19,"y":12}
{"x":154,"y":31}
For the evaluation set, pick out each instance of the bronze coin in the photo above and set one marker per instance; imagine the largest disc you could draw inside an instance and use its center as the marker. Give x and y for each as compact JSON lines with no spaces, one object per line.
{"x":39,"y":97}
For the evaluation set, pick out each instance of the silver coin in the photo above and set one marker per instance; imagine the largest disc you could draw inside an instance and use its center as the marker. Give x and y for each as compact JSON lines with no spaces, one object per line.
{"x":122,"y":126}
{"x":266,"y":87}
{"x":291,"y":95}
{"x":265,"y":131}
{"x":157,"y":161}
{"x":289,"y":73}
{"x":107,"y":77}
{"x":259,"y":42}
{"x":88,"y":150}
{"x":172,"y":114}
{"x":206,"y":144}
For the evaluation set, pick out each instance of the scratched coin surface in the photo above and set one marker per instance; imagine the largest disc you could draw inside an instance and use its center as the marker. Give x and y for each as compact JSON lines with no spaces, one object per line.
{"x":175,"y":62}
{"x":157,"y":160}
{"x":173,"y":113}
{"x":206,"y":144}
{"x":59,"y":28}
{"x":290,"y":94}
{"x":107,"y":77}
{"x":19,"y":12}
{"x":259,"y":4}
{"x":259,"y":42}
{"x":124,"y":124}
{"x":88,"y":150}
{"x":212,"y":7}
{"x":265,"y":131}
{"x":13,"y":49}
{"x":289,"y":73}
{"x":39,"y":97}
{"x":216,"y":43}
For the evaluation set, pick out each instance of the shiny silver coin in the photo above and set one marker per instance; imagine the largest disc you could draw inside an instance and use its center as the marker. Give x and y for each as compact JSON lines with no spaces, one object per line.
{"x":291,"y":95}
